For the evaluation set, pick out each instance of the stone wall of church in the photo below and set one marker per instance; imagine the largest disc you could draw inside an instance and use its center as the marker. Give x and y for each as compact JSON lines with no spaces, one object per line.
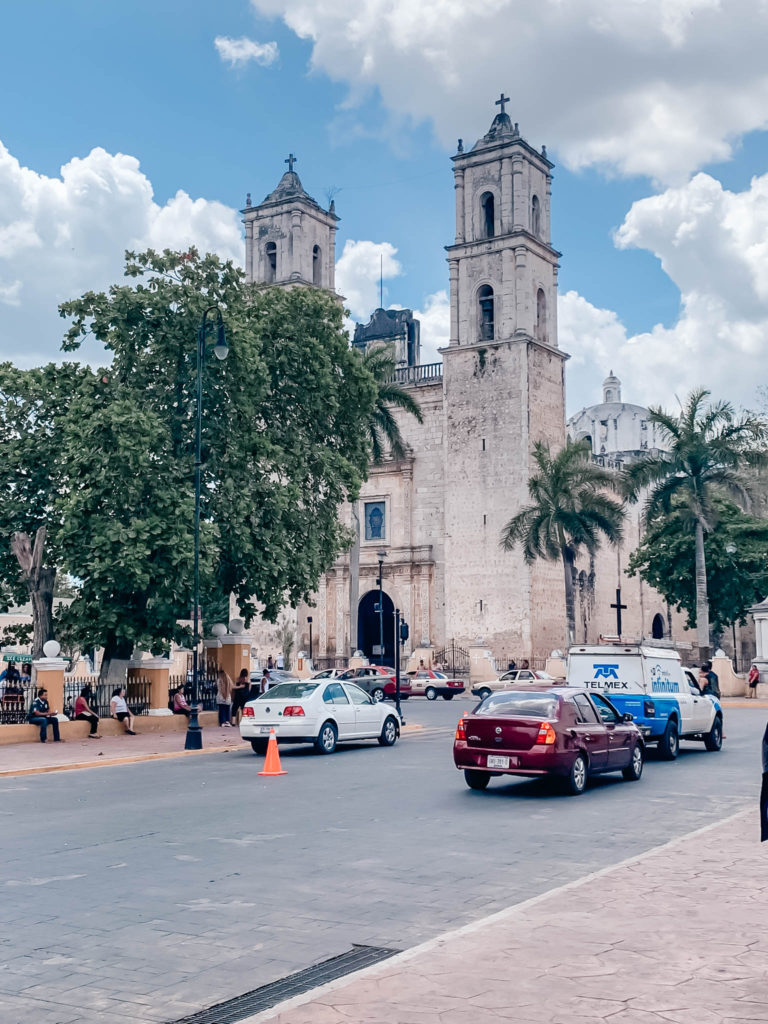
{"x":295,"y":230}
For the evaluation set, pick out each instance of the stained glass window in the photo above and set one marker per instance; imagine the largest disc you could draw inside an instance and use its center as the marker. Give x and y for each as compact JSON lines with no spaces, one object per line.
{"x":375,"y":520}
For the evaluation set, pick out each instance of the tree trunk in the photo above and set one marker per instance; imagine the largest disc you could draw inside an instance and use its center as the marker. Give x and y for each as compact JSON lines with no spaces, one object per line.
{"x":702,"y":600}
{"x":570,"y":610}
{"x":40,"y":582}
{"x":114,"y":663}
{"x":354,"y":580}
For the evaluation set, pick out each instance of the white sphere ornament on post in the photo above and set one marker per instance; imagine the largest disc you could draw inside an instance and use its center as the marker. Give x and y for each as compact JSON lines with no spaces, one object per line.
{"x":51,"y":649}
{"x":236,"y":626}
{"x":218,"y":629}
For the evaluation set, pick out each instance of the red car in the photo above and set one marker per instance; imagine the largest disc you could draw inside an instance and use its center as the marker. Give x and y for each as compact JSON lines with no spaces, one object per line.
{"x":546,"y":730}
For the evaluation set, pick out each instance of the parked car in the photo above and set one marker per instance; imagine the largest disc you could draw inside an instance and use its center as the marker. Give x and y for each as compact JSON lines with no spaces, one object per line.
{"x":430,"y":684}
{"x":329,"y":673}
{"x":515,"y":676}
{"x":378,"y":681}
{"x":563,"y":731}
{"x":320,"y":712}
{"x":276,"y":675}
{"x":651,"y":684}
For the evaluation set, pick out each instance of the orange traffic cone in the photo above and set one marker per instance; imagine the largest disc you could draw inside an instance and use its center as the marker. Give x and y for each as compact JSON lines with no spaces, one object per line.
{"x":272,"y":763}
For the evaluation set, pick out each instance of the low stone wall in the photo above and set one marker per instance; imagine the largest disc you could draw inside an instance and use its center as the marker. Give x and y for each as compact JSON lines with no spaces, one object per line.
{"x":145,"y":724}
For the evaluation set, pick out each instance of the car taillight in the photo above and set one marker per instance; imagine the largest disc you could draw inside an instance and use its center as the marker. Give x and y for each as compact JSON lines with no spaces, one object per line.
{"x":293,"y":710}
{"x":461,"y":730}
{"x":248,"y":712}
{"x":546,"y":734}
{"x":649,"y":709}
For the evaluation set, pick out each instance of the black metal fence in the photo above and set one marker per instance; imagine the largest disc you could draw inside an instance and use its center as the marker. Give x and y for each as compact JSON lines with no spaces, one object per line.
{"x":99,"y":695}
{"x":203,"y":694}
{"x":453,"y":658}
{"x":16,"y":701}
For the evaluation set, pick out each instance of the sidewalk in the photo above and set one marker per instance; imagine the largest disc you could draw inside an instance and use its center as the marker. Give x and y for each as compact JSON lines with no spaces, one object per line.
{"x":674,"y":936}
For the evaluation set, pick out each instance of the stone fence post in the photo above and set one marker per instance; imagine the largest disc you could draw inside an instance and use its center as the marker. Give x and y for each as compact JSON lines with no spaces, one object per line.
{"x":157,"y":672}
{"x":50,"y":674}
{"x":235,"y":654}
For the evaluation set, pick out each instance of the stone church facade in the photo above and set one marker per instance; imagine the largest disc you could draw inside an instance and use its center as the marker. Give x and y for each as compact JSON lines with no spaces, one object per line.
{"x":434,"y":519}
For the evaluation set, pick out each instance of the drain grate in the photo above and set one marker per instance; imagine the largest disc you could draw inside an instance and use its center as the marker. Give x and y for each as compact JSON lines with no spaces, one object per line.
{"x":233,"y":1010}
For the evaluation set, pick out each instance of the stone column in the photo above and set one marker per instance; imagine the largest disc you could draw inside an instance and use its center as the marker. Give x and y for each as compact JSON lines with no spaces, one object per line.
{"x":332,"y":259}
{"x":458,"y":175}
{"x":249,"y":251}
{"x":507,"y":196}
{"x":453,"y":276}
{"x":518,"y":205}
{"x":50,"y":675}
{"x":235,"y":653}
{"x":157,"y":672}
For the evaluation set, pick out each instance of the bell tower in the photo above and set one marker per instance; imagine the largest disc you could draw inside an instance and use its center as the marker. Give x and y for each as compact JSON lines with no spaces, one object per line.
{"x":504,"y":388}
{"x":289,"y":238}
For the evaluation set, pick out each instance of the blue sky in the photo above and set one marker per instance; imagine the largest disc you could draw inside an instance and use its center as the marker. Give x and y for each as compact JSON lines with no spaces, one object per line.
{"x":145,"y":79}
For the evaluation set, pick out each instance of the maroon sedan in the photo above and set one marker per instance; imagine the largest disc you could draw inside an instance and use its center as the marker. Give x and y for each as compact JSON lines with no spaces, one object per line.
{"x":553,"y":730}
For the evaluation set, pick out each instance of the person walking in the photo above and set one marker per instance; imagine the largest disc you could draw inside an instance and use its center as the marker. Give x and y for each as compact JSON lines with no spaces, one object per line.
{"x":753,"y":679}
{"x":40,"y":714}
{"x":224,"y":698}
{"x":85,"y":713}
{"x":118,"y":709}
{"x":711,"y":686}
{"x":270,"y":663}
{"x":239,"y":695}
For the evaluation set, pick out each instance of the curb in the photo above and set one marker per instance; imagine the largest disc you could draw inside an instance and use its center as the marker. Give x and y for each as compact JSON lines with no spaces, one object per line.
{"x":108,"y":762}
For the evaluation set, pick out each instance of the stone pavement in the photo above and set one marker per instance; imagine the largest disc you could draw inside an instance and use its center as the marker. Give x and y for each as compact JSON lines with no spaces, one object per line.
{"x":673,"y":936}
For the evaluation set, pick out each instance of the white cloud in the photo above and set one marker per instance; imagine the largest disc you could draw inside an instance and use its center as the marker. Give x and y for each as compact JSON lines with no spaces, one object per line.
{"x":654,"y":87}
{"x":238,"y":52}
{"x":713,"y":244}
{"x":62,"y":236}
{"x":435,"y":326}
{"x":358,"y":272}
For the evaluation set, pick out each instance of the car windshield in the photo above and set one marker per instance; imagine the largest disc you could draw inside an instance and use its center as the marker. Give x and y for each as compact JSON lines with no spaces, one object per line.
{"x":288,"y":691}
{"x":519,"y":705}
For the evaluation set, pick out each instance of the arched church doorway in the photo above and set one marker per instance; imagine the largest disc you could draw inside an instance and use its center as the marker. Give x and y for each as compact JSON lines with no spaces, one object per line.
{"x":368,"y":628}
{"x":657,"y":627}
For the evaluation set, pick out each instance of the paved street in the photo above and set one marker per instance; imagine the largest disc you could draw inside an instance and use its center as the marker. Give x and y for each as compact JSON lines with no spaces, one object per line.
{"x":143,"y":892}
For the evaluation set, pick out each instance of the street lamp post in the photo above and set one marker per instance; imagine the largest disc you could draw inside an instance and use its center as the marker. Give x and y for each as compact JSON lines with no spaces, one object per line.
{"x":309,"y":623}
{"x":381,"y":555}
{"x":221,"y":351}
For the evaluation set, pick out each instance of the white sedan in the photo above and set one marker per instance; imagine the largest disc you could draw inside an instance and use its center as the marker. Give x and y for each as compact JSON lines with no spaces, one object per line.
{"x":319,"y":711}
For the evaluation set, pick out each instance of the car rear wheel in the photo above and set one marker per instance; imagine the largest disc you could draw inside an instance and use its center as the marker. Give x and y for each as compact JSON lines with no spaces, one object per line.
{"x":669,"y":744}
{"x":475,"y":779}
{"x":634,"y":769}
{"x":485,"y":692}
{"x":259,"y":746}
{"x":388,"y":736}
{"x":576,"y":782}
{"x":377,"y":693}
{"x":326,"y":738}
{"x":714,"y":738}
{"x":447,"y":696}
{"x":430,"y":693}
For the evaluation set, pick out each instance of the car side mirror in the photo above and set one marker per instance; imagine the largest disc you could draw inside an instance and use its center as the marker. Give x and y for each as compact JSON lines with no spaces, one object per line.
{"x":626,"y":717}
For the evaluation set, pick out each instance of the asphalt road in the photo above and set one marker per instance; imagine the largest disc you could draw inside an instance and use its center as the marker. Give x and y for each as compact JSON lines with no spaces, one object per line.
{"x":144,"y":892}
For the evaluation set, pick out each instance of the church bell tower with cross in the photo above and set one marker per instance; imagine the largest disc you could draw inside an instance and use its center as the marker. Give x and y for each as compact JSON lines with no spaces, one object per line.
{"x":504,"y":387}
{"x":289,"y":238}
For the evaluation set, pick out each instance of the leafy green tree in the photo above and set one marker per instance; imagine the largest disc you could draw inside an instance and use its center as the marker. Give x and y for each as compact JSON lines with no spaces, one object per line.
{"x":708,"y":449}
{"x":736,"y":579}
{"x":33,"y":406}
{"x":570,"y":509}
{"x":385,"y":437}
{"x":284,"y":445}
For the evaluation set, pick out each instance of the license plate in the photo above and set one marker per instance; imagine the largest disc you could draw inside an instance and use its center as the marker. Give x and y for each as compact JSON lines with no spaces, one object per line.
{"x":265,"y":729}
{"x":497,"y":761}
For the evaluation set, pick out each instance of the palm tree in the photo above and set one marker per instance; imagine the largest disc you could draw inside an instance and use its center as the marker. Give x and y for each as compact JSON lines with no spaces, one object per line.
{"x":707,"y":448}
{"x":384,"y":436}
{"x":569,"y":510}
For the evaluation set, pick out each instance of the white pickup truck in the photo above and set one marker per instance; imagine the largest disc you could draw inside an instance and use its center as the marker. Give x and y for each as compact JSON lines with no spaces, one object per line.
{"x":651,"y":684}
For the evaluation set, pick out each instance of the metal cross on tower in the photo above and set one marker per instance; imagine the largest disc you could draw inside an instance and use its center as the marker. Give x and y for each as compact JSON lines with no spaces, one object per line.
{"x":502,"y":101}
{"x":291,"y":161}
{"x":618,"y":606}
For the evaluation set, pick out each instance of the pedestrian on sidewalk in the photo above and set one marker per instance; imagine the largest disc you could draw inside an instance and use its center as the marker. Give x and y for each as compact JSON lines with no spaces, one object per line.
{"x":118,"y":708}
{"x":753,"y":679}
{"x":270,"y":663}
{"x":85,"y":713}
{"x":239,"y":695}
{"x":40,"y":714}
{"x":224,"y":698}
{"x":179,"y":705}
